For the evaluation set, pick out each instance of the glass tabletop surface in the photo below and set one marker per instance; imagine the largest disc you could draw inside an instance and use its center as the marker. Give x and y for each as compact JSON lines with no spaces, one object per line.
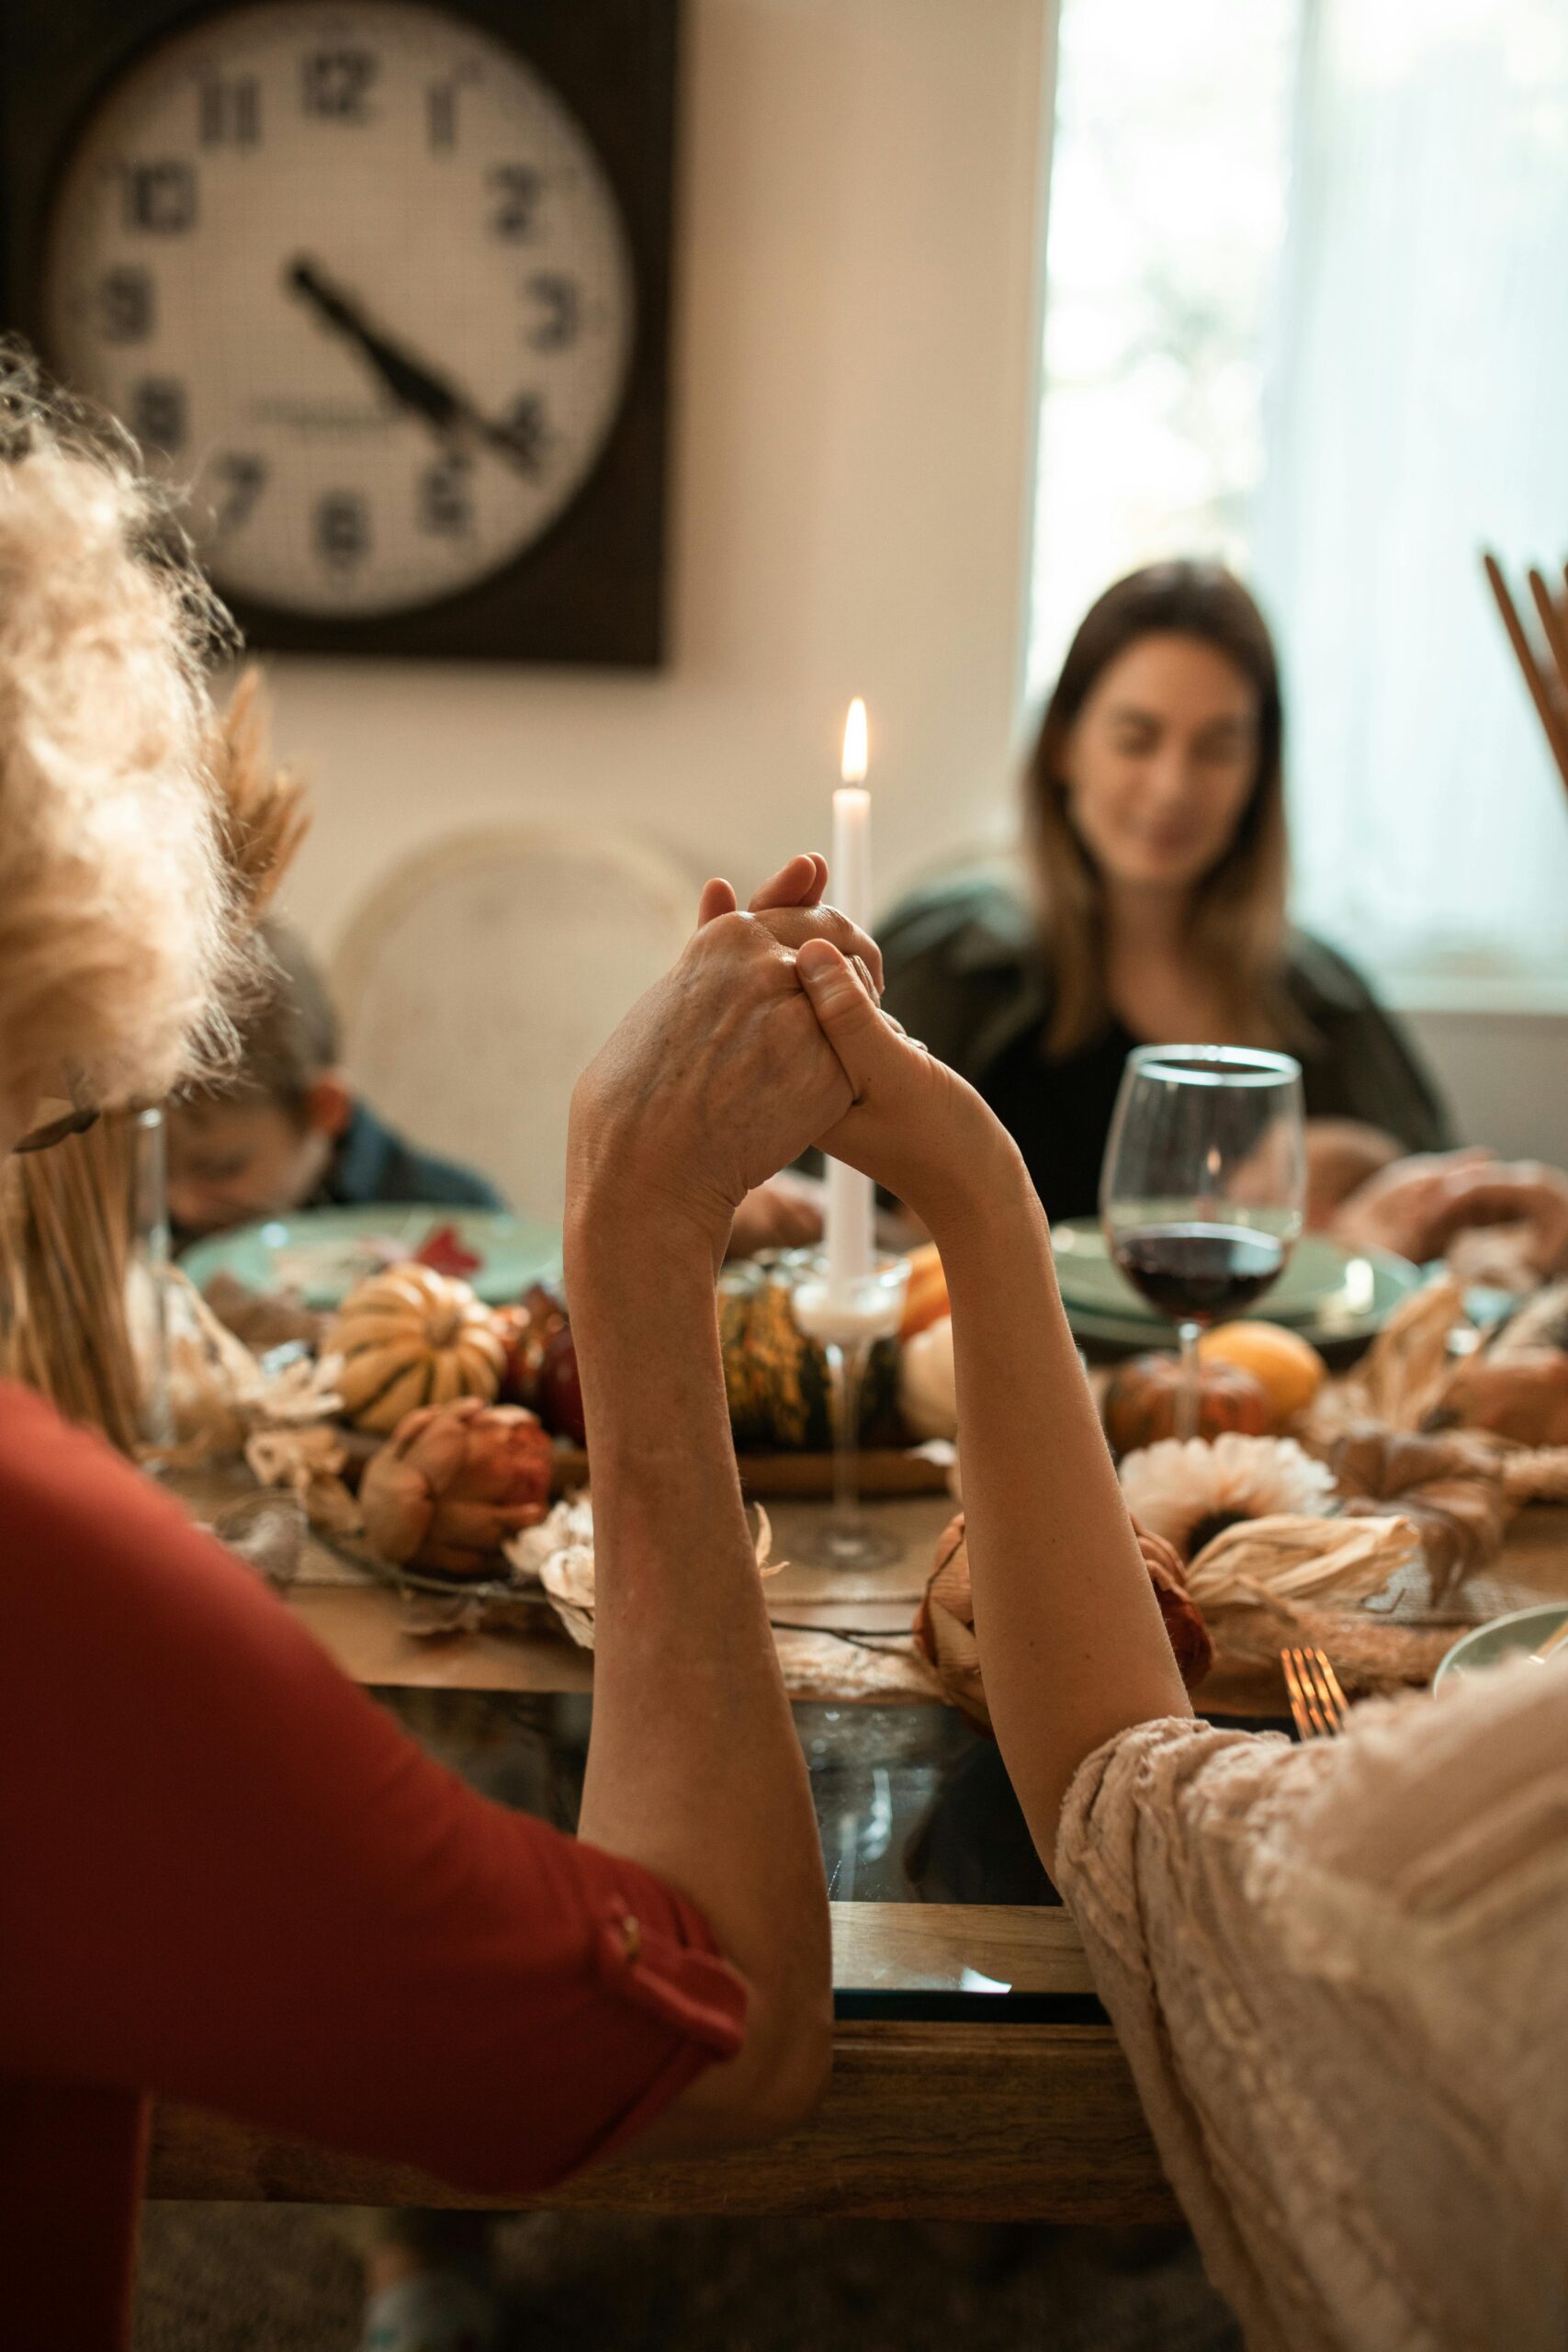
{"x":914,"y":1808}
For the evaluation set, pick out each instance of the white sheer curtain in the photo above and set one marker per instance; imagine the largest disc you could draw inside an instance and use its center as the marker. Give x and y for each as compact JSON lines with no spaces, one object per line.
{"x":1418,"y":410}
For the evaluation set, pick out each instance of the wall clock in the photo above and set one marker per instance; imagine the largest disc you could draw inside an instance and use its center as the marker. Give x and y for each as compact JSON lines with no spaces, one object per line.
{"x":383,"y":284}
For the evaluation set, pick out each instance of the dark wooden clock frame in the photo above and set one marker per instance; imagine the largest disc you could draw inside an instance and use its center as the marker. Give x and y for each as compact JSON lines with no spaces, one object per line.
{"x":591,"y":587}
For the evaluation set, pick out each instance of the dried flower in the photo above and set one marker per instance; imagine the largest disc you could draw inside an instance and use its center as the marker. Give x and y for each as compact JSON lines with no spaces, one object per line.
{"x":558,"y":1554}
{"x":310,"y":1464}
{"x":1191,"y":1489}
{"x":452,"y":1483}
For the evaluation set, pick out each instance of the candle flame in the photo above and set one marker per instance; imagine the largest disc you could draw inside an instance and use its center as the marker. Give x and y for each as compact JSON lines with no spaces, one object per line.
{"x":853,"y":766}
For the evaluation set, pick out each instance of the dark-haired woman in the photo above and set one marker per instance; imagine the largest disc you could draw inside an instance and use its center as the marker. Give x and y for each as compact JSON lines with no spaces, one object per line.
{"x":1156,"y":820}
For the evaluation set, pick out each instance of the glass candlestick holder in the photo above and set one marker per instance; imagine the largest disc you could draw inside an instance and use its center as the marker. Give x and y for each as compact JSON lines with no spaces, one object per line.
{"x":847,"y":1319}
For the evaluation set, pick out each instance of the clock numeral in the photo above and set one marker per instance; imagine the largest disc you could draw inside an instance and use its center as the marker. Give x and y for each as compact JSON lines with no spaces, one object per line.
{"x":342,"y":529}
{"x":446,"y":506}
{"x":158,"y":197}
{"x":518,"y":190}
{"x":125,"y":305}
{"x":336,"y":82}
{"x":159,"y":415}
{"x":560,"y":300}
{"x":229,"y":113}
{"x":243,"y":477}
{"x":528,"y":432}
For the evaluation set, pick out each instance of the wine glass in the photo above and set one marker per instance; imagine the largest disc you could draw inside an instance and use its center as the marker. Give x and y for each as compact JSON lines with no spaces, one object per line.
{"x":1201,"y":1189}
{"x":846,"y":1322}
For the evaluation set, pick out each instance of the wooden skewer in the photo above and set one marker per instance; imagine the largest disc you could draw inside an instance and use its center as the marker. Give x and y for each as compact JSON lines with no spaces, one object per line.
{"x":1553,"y":728}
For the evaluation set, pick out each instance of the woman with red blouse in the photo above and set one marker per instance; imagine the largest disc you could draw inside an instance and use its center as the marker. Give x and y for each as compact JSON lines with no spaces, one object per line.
{"x":229,"y":1878}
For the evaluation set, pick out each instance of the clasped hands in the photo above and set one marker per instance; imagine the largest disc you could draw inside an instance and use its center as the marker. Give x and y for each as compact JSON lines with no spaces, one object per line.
{"x":765,"y":1038}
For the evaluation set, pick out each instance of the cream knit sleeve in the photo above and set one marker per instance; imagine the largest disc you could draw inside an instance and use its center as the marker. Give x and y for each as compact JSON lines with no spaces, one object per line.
{"x":1340,"y":1977}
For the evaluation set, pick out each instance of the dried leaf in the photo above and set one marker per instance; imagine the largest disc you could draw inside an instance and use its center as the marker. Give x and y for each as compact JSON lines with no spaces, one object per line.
{"x":1290,"y":1559}
{"x":1403,"y":1372}
{"x":262,"y":816}
{"x":1541,"y":1322}
{"x":1522,"y":1395}
{"x":1537,"y":1475}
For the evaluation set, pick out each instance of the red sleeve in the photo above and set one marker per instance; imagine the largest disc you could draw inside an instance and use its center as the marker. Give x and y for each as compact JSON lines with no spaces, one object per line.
{"x":231,"y":1878}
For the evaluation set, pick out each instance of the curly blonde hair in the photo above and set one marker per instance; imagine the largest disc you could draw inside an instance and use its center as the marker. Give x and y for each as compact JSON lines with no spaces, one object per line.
{"x":139,"y":831}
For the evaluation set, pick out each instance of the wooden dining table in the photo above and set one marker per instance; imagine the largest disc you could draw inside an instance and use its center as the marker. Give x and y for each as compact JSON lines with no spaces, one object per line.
{"x":975,"y":2077}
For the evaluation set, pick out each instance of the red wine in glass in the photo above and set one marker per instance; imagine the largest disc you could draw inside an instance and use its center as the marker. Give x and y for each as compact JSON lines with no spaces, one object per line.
{"x":1201,"y":1190}
{"x":1199,"y":1273}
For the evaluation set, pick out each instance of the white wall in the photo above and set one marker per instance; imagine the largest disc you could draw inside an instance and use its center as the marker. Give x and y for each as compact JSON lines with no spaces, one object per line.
{"x":1506,"y":1074}
{"x":855,"y":348}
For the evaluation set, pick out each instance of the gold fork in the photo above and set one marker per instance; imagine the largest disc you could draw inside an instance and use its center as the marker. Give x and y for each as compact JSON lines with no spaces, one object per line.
{"x":1317,"y":1703}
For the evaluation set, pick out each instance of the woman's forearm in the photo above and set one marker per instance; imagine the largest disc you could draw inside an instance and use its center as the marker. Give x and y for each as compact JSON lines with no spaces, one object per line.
{"x":695,"y":1768}
{"x":1071,"y":1639}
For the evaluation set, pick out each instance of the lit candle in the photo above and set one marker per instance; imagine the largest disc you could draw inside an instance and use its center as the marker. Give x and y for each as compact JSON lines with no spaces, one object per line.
{"x":852,"y":824}
{"x":849,"y":1222}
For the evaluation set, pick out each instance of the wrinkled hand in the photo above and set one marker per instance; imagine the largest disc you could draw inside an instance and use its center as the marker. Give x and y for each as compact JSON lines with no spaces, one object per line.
{"x":789,"y":903}
{"x":719,"y":1076}
{"x":1419,"y":1207}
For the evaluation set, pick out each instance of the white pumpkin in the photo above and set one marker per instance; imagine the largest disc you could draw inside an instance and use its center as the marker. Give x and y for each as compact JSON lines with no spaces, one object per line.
{"x":412,"y":1337}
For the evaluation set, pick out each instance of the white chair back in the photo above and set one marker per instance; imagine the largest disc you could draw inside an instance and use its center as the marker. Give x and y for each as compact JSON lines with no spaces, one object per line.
{"x":481,"y":975}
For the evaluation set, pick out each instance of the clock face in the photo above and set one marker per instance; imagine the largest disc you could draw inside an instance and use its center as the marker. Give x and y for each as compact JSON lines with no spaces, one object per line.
{"x":355,"y":273}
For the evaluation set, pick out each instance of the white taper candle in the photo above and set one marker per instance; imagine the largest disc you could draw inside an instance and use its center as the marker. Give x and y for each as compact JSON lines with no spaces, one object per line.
{"x":850,"y":1218}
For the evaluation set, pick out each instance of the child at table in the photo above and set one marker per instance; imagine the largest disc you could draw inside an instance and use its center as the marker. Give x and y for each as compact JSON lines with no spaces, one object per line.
{"x":288,"y":1132}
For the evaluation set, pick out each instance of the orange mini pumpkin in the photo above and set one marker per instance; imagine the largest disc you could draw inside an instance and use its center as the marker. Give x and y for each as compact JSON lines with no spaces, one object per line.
{"x":1140,"y":1405}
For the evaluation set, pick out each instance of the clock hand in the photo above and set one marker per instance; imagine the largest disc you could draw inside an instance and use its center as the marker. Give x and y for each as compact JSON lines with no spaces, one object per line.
{"x":412,"y":386}
{"x":441,"y":404}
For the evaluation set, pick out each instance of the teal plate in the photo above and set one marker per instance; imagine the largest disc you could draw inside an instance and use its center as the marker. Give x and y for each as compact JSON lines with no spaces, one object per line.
{"x":322,"y":1253}
{"x":1513,"y":1636}
{"x":1331,"y":1296}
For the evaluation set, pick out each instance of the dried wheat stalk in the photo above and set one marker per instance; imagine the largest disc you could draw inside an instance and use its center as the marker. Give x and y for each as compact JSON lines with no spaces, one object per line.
{"x":264,"y":816}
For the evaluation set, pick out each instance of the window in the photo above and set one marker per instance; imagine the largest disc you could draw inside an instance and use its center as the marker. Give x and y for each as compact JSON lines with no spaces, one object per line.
{"x":1305,"y":312}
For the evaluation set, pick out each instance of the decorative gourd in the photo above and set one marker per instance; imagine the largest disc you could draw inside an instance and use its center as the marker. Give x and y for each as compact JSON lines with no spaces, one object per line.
{"x":1140,"y":1404}
{"x":1289,"y":1367}
{"x":776,"y":1378}
{"x":412,"y":1337}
